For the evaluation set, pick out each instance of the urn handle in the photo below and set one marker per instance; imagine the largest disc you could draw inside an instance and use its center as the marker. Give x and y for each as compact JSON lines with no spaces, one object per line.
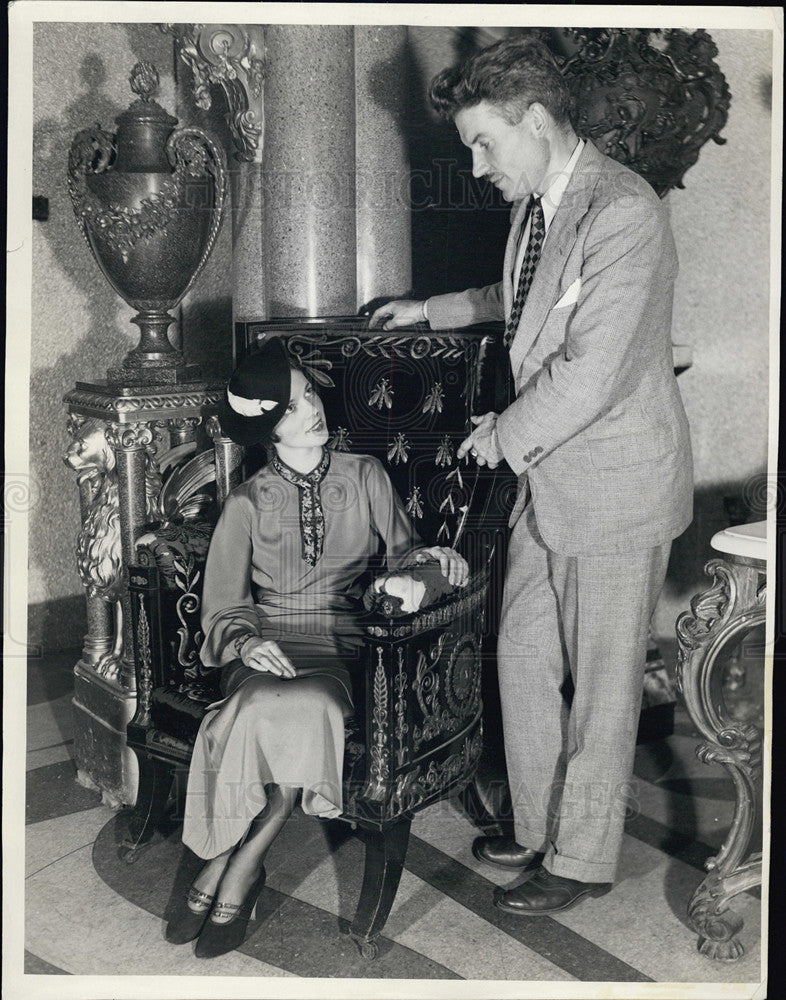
{"x":193,"y":154}
{"x":92,"y":152}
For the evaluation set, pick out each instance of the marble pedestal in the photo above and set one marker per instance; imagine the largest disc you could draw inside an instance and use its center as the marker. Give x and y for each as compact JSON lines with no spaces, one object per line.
{"x":123,"y":439}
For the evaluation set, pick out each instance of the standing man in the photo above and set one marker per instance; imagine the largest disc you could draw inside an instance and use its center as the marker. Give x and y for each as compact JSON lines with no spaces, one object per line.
{"x":599,"y":440}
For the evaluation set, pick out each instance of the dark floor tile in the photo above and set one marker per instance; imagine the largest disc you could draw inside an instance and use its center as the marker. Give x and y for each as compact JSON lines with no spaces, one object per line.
{"x":664,"y":838}
{"x":52,"y":791}
{"x":35,"y":966}
{"x":50,"y":677}
{"x":653,"y":760}
{"x":721,"y":789}
{"x":309,"y":941}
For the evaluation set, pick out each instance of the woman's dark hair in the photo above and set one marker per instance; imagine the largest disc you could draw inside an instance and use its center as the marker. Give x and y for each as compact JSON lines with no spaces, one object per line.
{"x":269,"y":440}
{"x":272,"y":438}
{"x":512,"y":74}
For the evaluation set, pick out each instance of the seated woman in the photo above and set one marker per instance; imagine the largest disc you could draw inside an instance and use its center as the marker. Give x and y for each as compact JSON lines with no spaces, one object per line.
{"x":280,"y":602}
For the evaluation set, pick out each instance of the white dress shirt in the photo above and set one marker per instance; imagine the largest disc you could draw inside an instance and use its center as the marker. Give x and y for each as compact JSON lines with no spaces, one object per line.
{"x":549,"y":201}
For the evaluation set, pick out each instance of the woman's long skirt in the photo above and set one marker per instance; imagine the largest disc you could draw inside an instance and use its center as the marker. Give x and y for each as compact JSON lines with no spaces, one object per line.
{"x":268,"y":730}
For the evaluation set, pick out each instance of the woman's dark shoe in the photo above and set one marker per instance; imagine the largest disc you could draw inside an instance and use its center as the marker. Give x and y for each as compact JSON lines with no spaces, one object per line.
{"x":544,"y":893}
{"x":186,"y":924}
{"x":219,"y":938}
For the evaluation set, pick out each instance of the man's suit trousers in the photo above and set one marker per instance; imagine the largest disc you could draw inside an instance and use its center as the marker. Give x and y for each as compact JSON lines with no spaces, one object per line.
{"x":571,"y":657}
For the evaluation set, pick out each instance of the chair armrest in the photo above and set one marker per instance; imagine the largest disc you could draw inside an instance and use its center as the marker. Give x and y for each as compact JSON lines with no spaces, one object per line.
{"x":443,"y":612}
{"x":420,"y":702}
{"x":174,"y":549}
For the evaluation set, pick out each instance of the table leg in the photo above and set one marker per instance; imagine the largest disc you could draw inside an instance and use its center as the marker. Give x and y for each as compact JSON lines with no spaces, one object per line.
{"x":732,"y":606}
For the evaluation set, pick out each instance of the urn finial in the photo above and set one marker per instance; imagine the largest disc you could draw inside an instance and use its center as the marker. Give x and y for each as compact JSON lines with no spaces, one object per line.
{"x":144,"y":80}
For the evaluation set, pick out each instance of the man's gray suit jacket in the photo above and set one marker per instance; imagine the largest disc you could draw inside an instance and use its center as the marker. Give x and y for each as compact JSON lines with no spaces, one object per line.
{"x":597,"y":429}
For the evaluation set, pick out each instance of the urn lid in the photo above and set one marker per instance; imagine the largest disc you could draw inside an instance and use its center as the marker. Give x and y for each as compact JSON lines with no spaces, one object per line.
{"x":144,"y":81}
{"x":143,"y":128}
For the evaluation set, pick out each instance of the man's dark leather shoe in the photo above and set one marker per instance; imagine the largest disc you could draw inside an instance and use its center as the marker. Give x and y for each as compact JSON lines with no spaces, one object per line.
{"x":546,"y":893}
{"x":504,"y":852}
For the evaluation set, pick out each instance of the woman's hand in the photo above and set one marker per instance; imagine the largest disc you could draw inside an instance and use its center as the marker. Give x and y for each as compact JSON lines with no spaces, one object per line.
{"x":453,"y":566}
{"x":266,"y":656}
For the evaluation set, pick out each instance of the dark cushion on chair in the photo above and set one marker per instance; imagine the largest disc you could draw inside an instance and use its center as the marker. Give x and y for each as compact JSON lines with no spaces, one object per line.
{"x":178,"y":709}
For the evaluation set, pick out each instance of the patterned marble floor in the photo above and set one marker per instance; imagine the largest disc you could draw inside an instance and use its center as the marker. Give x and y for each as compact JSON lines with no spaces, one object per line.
{"x":88,"y":914}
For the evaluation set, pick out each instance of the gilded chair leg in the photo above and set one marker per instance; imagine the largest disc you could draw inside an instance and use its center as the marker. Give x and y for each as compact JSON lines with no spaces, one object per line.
{"x":385,"y":853}
{"x":155,"y":782}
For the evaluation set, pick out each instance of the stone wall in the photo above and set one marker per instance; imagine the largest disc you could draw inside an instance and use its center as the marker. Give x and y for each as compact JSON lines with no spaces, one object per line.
{"x":721,"y":223}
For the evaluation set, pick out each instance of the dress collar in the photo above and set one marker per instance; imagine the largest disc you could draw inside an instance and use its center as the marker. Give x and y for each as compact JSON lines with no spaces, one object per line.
{"x":312,"y":516}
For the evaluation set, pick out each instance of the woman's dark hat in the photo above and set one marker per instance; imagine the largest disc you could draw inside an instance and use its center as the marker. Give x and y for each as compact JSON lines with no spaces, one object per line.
{"x":257,"y":394}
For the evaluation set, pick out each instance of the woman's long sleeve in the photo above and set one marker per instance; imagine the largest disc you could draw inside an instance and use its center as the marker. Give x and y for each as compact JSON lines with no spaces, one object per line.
{"x":228,"y":611}
{"x":390,"y":518}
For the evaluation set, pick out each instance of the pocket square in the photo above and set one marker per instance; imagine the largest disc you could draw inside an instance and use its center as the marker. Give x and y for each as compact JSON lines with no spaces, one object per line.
{"x":571,"y":295}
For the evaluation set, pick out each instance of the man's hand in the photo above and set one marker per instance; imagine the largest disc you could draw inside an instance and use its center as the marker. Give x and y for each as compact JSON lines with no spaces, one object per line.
{"x":399,"y":312}
{"x":267,"y":657}
{"x":453,"y":566}
{"x":482,"y":443}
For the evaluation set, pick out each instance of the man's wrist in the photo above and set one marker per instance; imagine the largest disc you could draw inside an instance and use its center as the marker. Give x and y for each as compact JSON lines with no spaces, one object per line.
{"x":424,"y":310}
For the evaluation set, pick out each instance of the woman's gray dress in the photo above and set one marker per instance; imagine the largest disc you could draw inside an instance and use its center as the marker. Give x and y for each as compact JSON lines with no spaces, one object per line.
{"x":268,"y":729}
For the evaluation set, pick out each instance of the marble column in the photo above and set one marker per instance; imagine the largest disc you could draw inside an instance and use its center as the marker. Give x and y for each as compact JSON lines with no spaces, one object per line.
{"x":383,"y":228}
{"x":309,"y":170}
{"x":249,"y":298}
{"x":319,"y":161}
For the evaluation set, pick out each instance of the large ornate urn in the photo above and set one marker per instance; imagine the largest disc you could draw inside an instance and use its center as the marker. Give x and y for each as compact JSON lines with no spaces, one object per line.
{"x":149,"y":201}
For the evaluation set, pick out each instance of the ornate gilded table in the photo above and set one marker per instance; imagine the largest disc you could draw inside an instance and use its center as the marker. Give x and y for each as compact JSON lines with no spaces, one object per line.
{"x":709,"y":637}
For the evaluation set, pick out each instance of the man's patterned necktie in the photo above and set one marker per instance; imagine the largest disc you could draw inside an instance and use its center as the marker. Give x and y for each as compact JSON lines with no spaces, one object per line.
{"x":537,"y":233}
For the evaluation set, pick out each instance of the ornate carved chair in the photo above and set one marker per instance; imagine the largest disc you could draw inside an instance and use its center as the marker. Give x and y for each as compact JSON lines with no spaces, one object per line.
{"x":417,"y":732}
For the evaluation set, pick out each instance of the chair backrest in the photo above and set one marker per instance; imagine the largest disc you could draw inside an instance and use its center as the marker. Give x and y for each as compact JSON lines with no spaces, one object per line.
{"x":404,"y":397}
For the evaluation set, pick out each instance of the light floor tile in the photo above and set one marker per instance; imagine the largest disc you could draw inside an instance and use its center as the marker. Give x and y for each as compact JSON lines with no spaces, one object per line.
{"x":49,"y":755}
{"x":76,"y":922}
{"x":450,"y":934}
{"x":447,"y":828}
{"x":50,"y":723}
{"x":636,"y":922}
{"x":107,"y":935}
{"x":643,"y":922}
{"x":52,"y":839}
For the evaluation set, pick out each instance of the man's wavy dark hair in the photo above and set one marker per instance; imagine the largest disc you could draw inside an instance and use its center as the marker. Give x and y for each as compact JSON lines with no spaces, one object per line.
{"x":512,"y":74}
